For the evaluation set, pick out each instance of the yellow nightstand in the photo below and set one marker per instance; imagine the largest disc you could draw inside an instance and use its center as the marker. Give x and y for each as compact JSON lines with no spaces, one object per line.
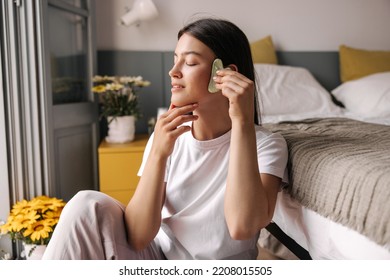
{"x":118,"y":167}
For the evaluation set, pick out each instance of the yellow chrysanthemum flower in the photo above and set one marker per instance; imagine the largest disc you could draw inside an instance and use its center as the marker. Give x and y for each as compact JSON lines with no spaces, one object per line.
{"x":54,"y":215}
{"x":44,"y":204}
{"x":8,"y":226}
{"x":37,"y":231}
{"x":99,"y":89}
{"x":26,"y":206}
{"x":24,"y":221}
{"x":54,"y":204}
{"x":21,"y":207}
{"x":51,"y":222}
{"x":33,"y":221}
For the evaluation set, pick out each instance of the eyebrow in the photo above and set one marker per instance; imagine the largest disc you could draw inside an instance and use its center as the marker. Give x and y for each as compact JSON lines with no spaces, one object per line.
{"x":189,"y":52}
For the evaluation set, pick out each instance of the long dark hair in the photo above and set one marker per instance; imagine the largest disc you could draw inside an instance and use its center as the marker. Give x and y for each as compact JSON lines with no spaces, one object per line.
{"x":229,"y":43}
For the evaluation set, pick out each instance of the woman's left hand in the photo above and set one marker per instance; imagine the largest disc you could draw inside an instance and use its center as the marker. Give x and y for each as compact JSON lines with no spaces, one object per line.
{"x":240,"y":92}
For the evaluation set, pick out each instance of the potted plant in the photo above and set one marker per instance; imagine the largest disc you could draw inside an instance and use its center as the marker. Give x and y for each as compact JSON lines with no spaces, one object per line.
{"x":33,"y":222}
{"x":119,"y":100}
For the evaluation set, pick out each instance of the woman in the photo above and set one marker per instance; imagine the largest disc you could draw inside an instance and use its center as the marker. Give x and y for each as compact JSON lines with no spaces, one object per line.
{"x":210,"y":175}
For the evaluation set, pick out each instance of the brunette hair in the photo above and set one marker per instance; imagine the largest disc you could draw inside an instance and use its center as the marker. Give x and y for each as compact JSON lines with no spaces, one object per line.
{"x":229,"y":43}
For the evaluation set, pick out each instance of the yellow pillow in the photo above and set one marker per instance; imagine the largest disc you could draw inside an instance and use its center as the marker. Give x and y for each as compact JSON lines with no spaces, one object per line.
{"x":263,"y":51}
{"x":357,"y":63}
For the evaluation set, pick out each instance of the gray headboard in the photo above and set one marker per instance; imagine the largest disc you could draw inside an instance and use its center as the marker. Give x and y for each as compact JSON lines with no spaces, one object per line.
{"x":323,"y":65}
{"x":154,"y":66}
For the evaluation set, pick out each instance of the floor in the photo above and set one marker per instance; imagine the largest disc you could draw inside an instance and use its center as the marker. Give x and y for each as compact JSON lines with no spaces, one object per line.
{"x":264,"y":254}
{"x":271,"y":249}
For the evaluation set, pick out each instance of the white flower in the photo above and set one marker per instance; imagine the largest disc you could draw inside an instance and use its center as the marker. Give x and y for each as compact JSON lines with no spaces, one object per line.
{"x":128,"y":79}
{"x":114,"y":86}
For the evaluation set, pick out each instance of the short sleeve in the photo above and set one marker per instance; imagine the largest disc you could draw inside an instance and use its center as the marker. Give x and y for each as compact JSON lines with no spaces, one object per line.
{"x":272,"y":155}
{"x":146,"y":155}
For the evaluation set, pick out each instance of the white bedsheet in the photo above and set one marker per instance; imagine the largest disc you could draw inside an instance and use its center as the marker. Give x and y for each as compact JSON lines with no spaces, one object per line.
{"x":323,"y":238}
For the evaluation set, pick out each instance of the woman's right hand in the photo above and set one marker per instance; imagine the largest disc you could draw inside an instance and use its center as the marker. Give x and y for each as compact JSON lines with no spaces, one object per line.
{"x":169,"y":127}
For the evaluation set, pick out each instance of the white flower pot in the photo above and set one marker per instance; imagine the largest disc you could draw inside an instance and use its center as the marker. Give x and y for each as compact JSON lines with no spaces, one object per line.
{"x":121,"y":129}
{"x":34,"y":252}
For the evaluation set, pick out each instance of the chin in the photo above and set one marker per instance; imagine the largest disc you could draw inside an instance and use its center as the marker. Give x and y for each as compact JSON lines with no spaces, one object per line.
{"x":181,"y":103}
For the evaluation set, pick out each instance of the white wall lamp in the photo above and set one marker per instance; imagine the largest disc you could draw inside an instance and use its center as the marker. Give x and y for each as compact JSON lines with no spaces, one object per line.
{"x":142,"y":10}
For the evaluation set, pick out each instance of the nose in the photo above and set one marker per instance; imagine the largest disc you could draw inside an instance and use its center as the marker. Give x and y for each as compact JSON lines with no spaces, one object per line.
{"x":175,"y":72}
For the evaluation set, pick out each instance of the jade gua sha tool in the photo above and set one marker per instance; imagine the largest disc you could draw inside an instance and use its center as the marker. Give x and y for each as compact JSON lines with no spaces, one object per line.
{"x":217,"y":65}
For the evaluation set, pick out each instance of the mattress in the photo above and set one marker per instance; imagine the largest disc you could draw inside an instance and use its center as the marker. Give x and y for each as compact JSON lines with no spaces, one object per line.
{"x":321,"y":237}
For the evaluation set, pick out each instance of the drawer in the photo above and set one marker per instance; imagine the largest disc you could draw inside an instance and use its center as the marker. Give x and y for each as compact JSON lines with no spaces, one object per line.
{"x":119,"y":170}
{"x":118,"y":167}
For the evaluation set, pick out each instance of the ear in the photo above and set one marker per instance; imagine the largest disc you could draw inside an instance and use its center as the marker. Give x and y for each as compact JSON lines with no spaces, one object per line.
{"x":232,"y":67}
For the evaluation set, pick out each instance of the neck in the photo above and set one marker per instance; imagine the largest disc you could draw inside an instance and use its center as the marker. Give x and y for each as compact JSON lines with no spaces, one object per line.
{"x":211,"y":123}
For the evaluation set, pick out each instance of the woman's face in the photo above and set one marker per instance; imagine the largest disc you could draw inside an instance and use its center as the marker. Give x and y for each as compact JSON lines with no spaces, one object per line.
{"x":191,"y":71}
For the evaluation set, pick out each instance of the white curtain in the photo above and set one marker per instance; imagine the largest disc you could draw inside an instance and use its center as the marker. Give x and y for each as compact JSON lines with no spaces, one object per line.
{"x":22,"y":129}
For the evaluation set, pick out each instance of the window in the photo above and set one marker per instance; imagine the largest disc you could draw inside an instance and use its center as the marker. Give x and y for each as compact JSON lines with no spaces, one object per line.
{"x":68,"y":56}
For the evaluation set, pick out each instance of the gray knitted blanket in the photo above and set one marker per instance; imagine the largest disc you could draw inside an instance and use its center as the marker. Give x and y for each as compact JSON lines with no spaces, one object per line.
{"x":340,"y":168}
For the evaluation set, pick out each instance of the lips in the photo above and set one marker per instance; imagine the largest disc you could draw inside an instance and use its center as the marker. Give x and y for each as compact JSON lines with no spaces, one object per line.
{"x":177,"y":86}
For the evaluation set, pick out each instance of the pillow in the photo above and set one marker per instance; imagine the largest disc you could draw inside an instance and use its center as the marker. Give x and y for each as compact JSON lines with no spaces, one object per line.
{"x":368,"y":96}
{"x":291,"y":90}
{"x":357,"y":63}
{"x":263,"y":51}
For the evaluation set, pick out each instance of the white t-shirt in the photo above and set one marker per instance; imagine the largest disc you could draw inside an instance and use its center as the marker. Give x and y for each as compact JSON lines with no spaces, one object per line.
{"x":193,"y":225}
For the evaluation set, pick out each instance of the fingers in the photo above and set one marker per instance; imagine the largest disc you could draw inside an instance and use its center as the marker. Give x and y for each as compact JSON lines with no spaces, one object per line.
{"x":233,"y":83}
{"x":177,"y":116}
{"x":233,"y":75}
{"x":174,"y":111}
{"x":169,"y":126}
{"x":240,"y":92}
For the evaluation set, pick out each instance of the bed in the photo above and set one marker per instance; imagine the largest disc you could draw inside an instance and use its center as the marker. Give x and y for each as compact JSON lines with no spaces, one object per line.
{"x":338,"y":133}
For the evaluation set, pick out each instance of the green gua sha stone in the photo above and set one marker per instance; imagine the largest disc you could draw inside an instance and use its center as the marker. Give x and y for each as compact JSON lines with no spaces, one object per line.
{"x":217,"y":65}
